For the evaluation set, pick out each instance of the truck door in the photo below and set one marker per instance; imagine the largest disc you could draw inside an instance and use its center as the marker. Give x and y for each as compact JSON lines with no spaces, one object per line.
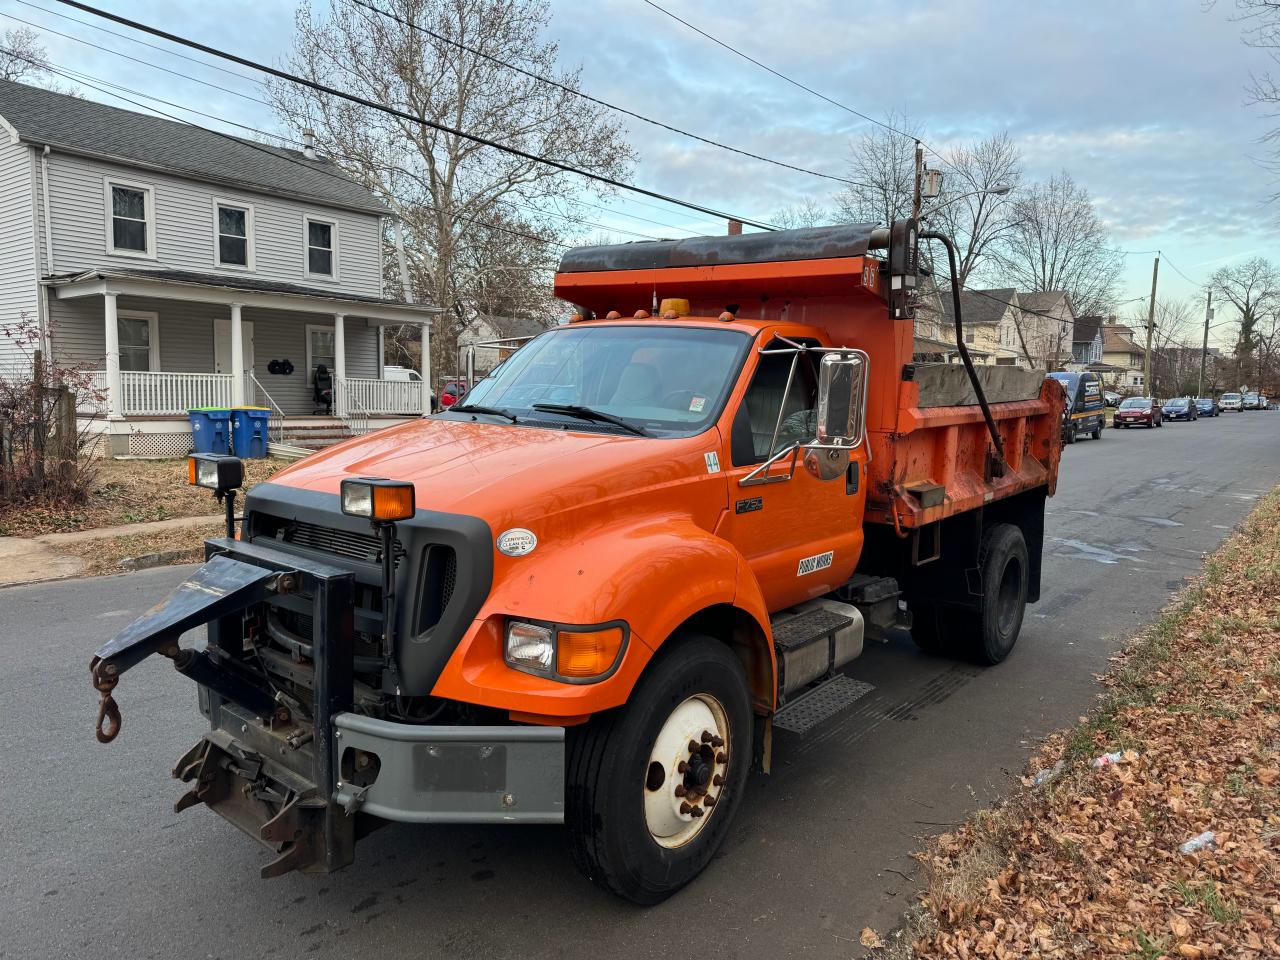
{"x":801,"y":536}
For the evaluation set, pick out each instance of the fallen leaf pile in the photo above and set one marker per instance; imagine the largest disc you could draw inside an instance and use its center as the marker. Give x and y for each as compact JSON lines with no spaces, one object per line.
{"x":1087,"y":863}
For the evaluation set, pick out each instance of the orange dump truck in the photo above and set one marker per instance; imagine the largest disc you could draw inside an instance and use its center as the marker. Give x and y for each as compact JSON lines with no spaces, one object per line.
{"x":594,"y":591}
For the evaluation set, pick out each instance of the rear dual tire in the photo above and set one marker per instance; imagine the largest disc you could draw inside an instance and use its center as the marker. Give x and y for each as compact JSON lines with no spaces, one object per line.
{"x":985,"y":635}
{"x":626,"y":799}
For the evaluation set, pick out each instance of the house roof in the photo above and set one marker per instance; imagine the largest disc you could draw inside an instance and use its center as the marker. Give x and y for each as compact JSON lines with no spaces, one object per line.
{"x":76,"y":125}
{"x":979,"y":307}
{"x":1114,"y":342}
{"x":1044,"y":301}
{"x":1086,"y":329}
{"x":248,"y":284}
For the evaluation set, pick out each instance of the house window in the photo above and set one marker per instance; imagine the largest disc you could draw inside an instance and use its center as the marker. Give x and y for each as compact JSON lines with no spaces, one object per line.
{"x":322,"y":248}
{"x":233,"y":225}
{"x":320,"y":350}
{"x":139,"y":341}
{"x":968,"y":338}
{"x":130,"y":219}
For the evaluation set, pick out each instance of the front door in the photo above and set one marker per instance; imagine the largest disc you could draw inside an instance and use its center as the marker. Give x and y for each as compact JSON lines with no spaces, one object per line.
{"x":801,"y":536}
{"x":222,"y":352}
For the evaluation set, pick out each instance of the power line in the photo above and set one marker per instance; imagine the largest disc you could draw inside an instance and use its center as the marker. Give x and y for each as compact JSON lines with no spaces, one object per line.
{"x":405,"y":115}
{"x":78,"y":77}
{"x":795,"y":83}
{"x":440,"y":38}
{"x":263,"y":103}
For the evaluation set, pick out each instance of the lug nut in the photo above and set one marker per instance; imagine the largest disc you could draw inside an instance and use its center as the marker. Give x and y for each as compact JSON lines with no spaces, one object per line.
{"x":680,"y":790}
{"x":717,"y":781}
{"x":687,"y":809}
{"x":722,"y":757}
{"x":694,"y":746}
{"x":709,"y":800}
{"x":682,"y":767}
{"x":696,"y":812}
{"x":707,"y":736}
{"x":717,"y":742}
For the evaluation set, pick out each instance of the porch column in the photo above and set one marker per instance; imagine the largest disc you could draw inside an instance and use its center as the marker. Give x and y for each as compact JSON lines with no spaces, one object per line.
{"x":340,"y":364}
{"x":426,"y":368}
{"x":237,"y":358}
{"x":115,"y":386}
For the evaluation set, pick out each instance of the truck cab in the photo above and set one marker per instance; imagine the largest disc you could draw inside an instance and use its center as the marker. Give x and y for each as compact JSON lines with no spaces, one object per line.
{"x":1085,"y":412}
{"x":592,"y":591}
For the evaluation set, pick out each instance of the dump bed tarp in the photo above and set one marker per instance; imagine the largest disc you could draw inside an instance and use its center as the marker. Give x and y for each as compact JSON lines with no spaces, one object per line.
{"x":811,"y":243}
{"x":948,"y":385}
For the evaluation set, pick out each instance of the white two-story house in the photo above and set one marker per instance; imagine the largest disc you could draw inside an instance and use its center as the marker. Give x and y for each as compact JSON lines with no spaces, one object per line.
{"x":187,"y":268}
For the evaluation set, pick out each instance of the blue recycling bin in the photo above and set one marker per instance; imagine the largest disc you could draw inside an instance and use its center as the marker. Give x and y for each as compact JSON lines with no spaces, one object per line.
{"x":249,"y":432}
{"x":210,"y":429}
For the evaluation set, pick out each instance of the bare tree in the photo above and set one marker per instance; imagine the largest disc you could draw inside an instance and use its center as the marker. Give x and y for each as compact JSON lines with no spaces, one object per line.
{"x":980,"y":221}
{"x":1253,"y":288}
{"x":807,"y":213}
{"x":455,"y":196}
{"x":23,"y":58}
{"x":1261,"y":29}
{"x":1057,"y":241}
{"x":883,"y":166}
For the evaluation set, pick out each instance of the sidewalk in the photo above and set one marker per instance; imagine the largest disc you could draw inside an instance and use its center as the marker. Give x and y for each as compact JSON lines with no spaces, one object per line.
{"x":37,"y":559}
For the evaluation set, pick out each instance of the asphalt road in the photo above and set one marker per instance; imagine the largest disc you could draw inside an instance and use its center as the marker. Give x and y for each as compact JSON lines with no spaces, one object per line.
{"x":96,"y":864}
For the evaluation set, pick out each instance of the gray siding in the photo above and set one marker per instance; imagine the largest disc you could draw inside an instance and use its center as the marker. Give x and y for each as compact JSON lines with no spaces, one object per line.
{"x":18,"y":290}
{"x":184,"y":228}
{"x":187,"y":341}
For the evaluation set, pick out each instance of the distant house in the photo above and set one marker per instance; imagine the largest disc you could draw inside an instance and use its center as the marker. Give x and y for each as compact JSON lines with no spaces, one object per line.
{"x":185,"y":266}
{"x":990,"y":323}
{"x":1086,"y":341}
{"x":1048,"y":322}
{"x":1124,"y":355}
{"x":490,"y":340}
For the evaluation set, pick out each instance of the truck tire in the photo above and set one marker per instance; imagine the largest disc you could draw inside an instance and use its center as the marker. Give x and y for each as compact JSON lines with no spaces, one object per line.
{"x":1097,"y":432}
{"x":1071,"y":434}
{"x":1005,"y":572}
{"x":628,"y":805}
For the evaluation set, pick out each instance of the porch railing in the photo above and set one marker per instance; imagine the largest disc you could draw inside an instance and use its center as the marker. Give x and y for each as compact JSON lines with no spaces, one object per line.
{"x":93,"y":400}
{"x":395,"y":397}
{"x":275,"y":426}
{"x":158,"y":394}
{"x":348,"y":406}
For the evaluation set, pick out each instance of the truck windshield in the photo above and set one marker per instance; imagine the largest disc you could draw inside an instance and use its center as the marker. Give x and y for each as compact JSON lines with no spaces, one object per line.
{"x":667,"y":381}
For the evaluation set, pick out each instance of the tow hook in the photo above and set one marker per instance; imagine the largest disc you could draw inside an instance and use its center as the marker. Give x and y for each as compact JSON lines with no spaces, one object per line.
{"x":105,"y":678}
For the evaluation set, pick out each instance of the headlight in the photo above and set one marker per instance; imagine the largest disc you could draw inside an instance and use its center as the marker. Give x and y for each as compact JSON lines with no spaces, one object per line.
{"x":530,"y":646}
{"x":577,"y":654}
{"x":382,"y":501}
{"x":214,"y":472}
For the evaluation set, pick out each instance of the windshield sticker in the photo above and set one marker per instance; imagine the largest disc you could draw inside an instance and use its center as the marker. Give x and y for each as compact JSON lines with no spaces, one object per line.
{"x":696,"y":404}
{"x":713,"y":463}
{"x":812,"y":564}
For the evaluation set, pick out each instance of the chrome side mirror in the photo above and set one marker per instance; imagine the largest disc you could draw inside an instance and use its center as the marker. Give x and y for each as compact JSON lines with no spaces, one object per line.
{"x":841,"y":386}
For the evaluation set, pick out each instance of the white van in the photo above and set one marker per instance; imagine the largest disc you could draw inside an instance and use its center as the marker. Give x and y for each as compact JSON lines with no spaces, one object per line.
{"x":402,"y":374}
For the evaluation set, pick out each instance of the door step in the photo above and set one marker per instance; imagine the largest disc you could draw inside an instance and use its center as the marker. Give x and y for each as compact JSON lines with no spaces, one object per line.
{"x":820,"y":704}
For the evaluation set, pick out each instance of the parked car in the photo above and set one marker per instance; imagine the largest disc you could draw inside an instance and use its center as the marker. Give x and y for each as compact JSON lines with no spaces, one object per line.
{"x":1250,"y":402}
{"x":1231,"y":401}
{"x":1263,"y":402}
{"x":1207,"y":406}
{"x":1113,"y":399}
{"x":1085,"y":411}
{"x":454,"y":390}
{"x":1179,"y":408}
{"x":1138,"y":412}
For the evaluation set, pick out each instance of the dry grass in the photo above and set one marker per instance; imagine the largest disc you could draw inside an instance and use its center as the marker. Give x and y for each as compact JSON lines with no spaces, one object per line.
{"x":105,"y":555}
{"x":1088,"y":863}
{"x":127,"y":491}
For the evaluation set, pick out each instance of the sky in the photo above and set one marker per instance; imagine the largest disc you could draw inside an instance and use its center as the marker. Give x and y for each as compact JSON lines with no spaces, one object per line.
{"x":1143,"y":102}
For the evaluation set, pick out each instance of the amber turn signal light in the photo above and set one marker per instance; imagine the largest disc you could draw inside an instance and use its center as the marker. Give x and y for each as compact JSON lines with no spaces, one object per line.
{"x":587,"y":653}
{"x":382,"y":501}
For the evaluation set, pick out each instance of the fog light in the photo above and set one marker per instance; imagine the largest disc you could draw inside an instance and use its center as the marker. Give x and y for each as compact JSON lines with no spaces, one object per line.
{"x":383,"y":501}
{"x":530,"y":646}
{"x":214,"y":472}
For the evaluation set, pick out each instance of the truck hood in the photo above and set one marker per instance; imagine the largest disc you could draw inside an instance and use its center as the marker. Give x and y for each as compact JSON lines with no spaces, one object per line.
{"x":508,"y":474}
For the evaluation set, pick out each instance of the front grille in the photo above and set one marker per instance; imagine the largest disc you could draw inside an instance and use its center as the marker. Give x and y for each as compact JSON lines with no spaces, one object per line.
{"x":365,"y":547}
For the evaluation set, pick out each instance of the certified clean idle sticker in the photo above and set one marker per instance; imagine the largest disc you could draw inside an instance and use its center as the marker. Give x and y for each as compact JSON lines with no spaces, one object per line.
{"x":812,"y":564}
{"x":713,"y":462}
{"x":696,"y":404}
{"x":517,"y":542}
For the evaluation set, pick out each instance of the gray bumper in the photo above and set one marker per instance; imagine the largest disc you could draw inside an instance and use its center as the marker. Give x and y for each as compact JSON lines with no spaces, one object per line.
{"x":429,"y":774}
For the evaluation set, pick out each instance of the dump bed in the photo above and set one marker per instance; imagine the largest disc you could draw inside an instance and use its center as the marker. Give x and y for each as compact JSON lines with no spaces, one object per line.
{"x":932,"y":453}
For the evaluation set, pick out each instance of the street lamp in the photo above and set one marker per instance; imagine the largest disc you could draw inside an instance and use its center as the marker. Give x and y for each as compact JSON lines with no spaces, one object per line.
{"x":999,"y":190}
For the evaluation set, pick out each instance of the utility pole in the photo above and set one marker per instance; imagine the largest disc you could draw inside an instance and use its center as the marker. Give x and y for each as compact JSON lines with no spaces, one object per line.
{"x":1204,"y":351}
{"x":916,"y":199}
{"x":1151,"y":325}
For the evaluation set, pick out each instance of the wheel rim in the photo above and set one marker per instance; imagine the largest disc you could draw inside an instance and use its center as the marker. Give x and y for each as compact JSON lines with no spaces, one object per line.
{"x":688,"y":768}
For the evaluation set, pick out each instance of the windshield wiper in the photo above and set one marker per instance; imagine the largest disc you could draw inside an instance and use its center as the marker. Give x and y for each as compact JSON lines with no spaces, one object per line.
{"x":586,"y":413}
{"x":481,"y":408}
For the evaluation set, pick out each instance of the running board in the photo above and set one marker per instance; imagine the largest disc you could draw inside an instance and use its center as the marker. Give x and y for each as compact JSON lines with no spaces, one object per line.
{"x":820,"y":704}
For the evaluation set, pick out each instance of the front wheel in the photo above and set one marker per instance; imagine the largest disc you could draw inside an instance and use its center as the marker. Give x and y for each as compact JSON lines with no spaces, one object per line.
{"x":1071,"y":434}
{"x":651,"y":788}
{"x":1097,"y":432}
